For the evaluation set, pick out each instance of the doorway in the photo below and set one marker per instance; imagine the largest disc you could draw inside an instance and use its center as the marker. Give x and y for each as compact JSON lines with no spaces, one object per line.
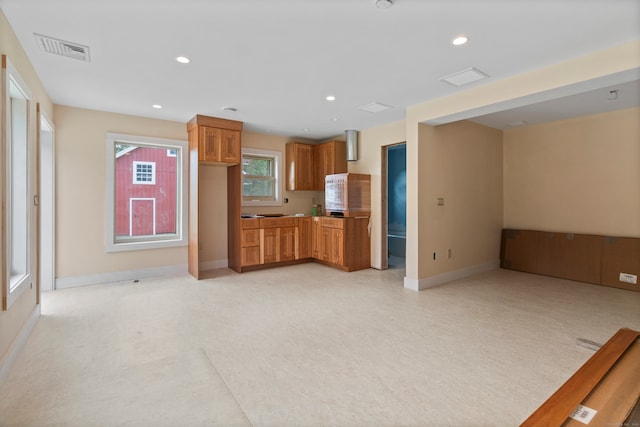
{"x":47,"y":205}
{"x":394,"y":206}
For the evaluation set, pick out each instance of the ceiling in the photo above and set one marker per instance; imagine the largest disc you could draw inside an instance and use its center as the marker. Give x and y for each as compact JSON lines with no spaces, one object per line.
{"x":276,"y":61}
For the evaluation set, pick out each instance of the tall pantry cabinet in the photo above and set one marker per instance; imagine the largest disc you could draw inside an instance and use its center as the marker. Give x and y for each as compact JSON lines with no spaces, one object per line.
{"x":214,"y":142}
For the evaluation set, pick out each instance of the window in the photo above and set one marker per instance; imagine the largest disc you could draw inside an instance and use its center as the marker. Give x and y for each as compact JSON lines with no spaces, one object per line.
{"x":18,"y":213}
{"x":146,"y":192}
{"x":261,"y":177}
{"x":144,"y":172}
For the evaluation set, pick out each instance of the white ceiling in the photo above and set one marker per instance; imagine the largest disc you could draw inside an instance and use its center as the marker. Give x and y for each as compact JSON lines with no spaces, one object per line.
{"x":277,"y":60}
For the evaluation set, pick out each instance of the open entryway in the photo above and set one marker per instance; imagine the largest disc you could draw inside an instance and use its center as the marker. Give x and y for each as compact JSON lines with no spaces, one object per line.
{"x":394,"y":205}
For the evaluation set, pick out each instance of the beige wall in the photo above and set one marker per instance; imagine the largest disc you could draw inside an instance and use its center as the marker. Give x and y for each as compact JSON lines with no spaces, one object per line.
{"x":464,"y":167}
{"x":80,"y":192}
{"x":370,"y":143}
{"x":580,"y":175}
{"x":13,"y":320}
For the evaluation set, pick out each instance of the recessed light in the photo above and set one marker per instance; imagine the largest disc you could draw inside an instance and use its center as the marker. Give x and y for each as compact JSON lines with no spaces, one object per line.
{"x":306,"y":129}
{"x":157,"y":106}
{"x":331,"y":98}
{"x":183,"y":59}
{"x":460,"y":40}
{"x":232,"y":109}
{"x":334,"y":119}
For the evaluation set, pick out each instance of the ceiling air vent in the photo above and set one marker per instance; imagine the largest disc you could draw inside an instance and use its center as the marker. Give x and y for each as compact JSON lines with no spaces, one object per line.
{"x":63,"y":48}
{"x":464,"y":77}
{"x":374,"y":107}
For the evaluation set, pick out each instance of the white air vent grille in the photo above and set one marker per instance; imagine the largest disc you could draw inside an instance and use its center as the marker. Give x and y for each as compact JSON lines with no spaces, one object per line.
{"x":64,"y":48}
{"x":464,"y":77}
{"x":374,"y":107}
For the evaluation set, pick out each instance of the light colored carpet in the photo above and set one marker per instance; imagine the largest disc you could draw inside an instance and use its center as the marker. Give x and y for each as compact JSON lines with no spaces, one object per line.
{"x":307,"y":345}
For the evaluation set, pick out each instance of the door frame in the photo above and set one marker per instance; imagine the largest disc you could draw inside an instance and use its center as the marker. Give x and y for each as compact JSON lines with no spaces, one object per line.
{"x":153,"y":213}
{"x":46,"y":240}
{"x":384,"y":203}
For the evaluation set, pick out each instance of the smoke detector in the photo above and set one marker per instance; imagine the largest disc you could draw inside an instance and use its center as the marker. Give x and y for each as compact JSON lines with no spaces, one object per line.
{"x":384,"y":4}
{"x":63,"y":48}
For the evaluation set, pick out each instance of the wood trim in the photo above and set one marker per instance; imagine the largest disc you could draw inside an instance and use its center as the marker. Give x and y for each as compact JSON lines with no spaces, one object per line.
{"x":194,"y":205}
{"x":200,"y":120}
{"x":558,"y":407}
{"x":234,"y":211}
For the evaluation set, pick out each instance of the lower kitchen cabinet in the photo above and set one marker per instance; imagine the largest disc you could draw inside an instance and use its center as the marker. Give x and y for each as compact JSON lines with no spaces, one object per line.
{"x":250,"y":242}
{"x":305,"y":237}
{"x":341,"y":243}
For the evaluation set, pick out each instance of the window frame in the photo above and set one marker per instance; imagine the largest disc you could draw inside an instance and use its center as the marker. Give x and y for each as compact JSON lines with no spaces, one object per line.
{"x":13,"y":289}
{"x":277,"y":176}
{"x":180,"y":238}
{"x":152,"y":172}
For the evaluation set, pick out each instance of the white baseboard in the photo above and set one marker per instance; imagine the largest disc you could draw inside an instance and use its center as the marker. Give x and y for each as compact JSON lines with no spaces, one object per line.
{"x":18,"y":344}
{"x":450,"y":276}
{"x":212,"y":265}
{"x":119,"y":276}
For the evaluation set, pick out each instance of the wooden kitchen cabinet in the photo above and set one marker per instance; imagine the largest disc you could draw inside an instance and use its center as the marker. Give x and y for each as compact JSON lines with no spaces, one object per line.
{"x":288,"y":244}
{"x":217,"y":140}
{"x":269,"y":245}
{"x":329,"y":158}
{"x":299,"y":166}
{"x":307,"y":165}
{"x":278,"y":240}
{"x":250,"y":242}
{"x":305,"y":237}
{"x":219,"y":145}
{"x":343,"y":243}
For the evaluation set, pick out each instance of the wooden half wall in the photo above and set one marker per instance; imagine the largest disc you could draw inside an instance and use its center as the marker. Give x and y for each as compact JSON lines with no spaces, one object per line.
{"x":581,"y":257}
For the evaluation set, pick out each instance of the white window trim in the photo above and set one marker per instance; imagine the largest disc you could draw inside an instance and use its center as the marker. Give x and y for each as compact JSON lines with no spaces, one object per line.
{"x":278,"y":174}
{"x":14,"y":289}
{"x":135,"y":173}
{"x":182,"y":231}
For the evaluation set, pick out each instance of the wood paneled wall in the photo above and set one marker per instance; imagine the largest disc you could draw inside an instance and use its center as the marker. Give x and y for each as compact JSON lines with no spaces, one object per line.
{"x":582,"y":257}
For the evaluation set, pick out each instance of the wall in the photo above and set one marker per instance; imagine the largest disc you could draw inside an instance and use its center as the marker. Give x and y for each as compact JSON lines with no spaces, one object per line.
{"x":16,"y":321}
{"x":370,"y":143}
{"x":80,"y":196}
{"x":80,"y":152}
{"x":579,"y":175}
{"x":464,"y":168}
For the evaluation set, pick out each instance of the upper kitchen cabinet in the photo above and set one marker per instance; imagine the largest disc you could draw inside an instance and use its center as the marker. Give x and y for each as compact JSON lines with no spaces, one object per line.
{"x":216,"y":140}
{"x":329,"y":158}
{"x":307,"y":165}
{"x":299,"y":166}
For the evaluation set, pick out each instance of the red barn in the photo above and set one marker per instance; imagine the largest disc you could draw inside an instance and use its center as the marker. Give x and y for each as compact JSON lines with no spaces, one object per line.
{"x":145,"y":191}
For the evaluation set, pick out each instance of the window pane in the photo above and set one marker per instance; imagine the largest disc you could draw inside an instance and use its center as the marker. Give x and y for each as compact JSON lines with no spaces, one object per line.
{"x":150,"y":209}
{"x":257,"y":187}
{"x":18,"y":188}
{"x":257,"y":166}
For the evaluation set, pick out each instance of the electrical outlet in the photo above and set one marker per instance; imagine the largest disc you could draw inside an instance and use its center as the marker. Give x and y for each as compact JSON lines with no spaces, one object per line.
{"x":629,"y":278}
